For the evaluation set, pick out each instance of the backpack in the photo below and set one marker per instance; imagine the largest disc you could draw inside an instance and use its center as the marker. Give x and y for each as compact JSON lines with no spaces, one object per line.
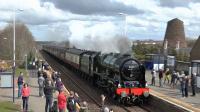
{"x":71,"y":104}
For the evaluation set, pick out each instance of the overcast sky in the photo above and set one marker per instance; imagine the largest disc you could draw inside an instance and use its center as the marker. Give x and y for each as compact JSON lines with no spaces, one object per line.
{"x":62,"y":19}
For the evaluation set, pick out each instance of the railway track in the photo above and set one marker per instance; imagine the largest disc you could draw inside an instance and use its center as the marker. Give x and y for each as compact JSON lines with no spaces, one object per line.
{"x":87,"y":92}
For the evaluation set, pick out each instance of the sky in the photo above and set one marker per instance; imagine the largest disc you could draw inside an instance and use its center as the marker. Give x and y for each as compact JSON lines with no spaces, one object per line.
{"x":66,"y":19}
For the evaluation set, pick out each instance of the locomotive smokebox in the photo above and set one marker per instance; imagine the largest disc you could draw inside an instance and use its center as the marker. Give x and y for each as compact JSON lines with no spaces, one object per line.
{"x":175,"y":34}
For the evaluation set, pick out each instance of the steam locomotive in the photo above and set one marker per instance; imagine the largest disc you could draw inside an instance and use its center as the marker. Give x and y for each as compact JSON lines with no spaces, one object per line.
{"x":119,"y":74}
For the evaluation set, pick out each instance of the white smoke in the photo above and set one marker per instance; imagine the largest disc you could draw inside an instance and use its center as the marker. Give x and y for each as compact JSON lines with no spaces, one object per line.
{"x":104,"y":37}
{"x":58,"y":32}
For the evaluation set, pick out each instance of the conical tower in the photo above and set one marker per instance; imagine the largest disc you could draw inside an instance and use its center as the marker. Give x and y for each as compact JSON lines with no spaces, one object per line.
{"x":175,"y":34}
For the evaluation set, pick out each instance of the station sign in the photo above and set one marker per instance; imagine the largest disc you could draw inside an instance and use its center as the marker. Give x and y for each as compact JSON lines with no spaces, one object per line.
{"x":6,"y":79}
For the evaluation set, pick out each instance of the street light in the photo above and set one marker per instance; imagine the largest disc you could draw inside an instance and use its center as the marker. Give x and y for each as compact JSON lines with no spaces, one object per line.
{"x":26,"y":61}
{"x":177,"y":47}
{"x":165,"y":53}
{"x":14,"y":52}
{"x":125,"y":27}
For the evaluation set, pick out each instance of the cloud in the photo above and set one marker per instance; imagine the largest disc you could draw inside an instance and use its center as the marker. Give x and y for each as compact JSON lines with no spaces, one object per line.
{"x":48,"y":19}
{"x":95,"y":7}
{"x":32,"y":12}
{"x":176,"y":3}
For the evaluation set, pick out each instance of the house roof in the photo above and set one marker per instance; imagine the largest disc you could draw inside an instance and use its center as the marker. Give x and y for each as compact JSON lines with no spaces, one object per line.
{"x":194,"y":54}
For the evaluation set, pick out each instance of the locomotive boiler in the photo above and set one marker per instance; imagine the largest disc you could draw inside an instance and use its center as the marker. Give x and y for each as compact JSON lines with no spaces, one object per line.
{"x":119,"y":75}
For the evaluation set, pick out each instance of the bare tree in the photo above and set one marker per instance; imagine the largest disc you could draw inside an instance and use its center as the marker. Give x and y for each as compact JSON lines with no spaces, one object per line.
{"x":25,"y":43}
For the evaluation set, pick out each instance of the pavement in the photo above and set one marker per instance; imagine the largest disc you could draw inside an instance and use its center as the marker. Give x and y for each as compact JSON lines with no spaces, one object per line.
{"x":36,"y":103}
{"x":174,"y":93}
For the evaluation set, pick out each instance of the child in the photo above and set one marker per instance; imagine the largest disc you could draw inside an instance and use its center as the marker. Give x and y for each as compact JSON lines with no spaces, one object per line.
{"x":25,"y":96}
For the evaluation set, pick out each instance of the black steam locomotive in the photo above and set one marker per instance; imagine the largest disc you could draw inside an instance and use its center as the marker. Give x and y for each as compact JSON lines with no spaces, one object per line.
{"x":119,"y":74}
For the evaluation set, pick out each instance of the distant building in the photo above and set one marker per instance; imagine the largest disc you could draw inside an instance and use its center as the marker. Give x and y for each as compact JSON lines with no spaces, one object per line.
{"x":147,"y":42}
{"x":195,"y":52}
{"x":175,"y":35}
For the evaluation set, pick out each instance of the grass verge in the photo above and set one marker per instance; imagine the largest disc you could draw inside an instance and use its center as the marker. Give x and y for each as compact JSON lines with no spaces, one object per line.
{"x":18,"y":70}
{"x":8,"y":106}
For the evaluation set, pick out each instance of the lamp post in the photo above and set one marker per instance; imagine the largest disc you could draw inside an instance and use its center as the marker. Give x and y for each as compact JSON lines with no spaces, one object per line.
{"x":26,"y":61}
{"x":14,"y":52}
{"x":165,"y":53}
{"x":125,"y":26}
{"x":14,"y":56}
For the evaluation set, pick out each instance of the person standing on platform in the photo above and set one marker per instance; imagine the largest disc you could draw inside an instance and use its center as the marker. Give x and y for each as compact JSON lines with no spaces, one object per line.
{"x":193,"y":83}
{"x":41,"y":81}
{"x":153,"y":73}
{"x":186,"y":85}
{"x":182,"y":83}
{"x":167,"y":75}
{"x":39,"y":72}
{"x":20,"y":82}
{"x":62,"y":101}
{"x":48,"y":91}
{"x":177,"y":77}
{"x":84,"y":107}
{"x":173,"y":79}
{"x":59,"y":85}
{"x":25,"y":97}
{"x":71,"y":102}
{"x":103,"y":97}
{"x":160,"y":78}
{"x":77,"y":98}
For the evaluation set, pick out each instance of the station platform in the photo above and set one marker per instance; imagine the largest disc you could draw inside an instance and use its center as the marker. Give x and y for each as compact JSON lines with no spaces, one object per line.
{"x":174,"y":94}
{"x":36,"y":103}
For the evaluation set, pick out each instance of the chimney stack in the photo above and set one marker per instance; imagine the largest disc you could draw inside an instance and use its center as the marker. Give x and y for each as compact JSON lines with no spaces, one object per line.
{"x":175,"y":34}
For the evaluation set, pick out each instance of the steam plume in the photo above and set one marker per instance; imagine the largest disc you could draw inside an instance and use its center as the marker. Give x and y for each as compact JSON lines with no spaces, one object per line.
{"x":101,"y":37}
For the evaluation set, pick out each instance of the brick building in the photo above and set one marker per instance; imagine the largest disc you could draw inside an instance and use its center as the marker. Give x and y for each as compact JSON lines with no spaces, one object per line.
{"x":175,"y":34}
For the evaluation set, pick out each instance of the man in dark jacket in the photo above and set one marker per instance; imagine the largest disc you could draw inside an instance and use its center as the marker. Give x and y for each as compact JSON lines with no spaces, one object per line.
{"x":173,"y":79}
{"x":186,"y":85}
{"x":59,"y":84}
{"x":193,"y":83}
{"x":20,"y":82}
{"x":48,"y":91}
{"x":161,"y":78}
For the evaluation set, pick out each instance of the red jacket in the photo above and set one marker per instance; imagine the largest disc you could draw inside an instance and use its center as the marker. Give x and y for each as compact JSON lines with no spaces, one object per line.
{"x":62,"y":101}
{"x":25,"y":92}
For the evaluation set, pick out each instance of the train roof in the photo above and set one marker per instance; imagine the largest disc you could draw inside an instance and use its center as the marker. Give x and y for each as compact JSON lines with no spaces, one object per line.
{"x":80,"y":51}
{"x":75,"y":51}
